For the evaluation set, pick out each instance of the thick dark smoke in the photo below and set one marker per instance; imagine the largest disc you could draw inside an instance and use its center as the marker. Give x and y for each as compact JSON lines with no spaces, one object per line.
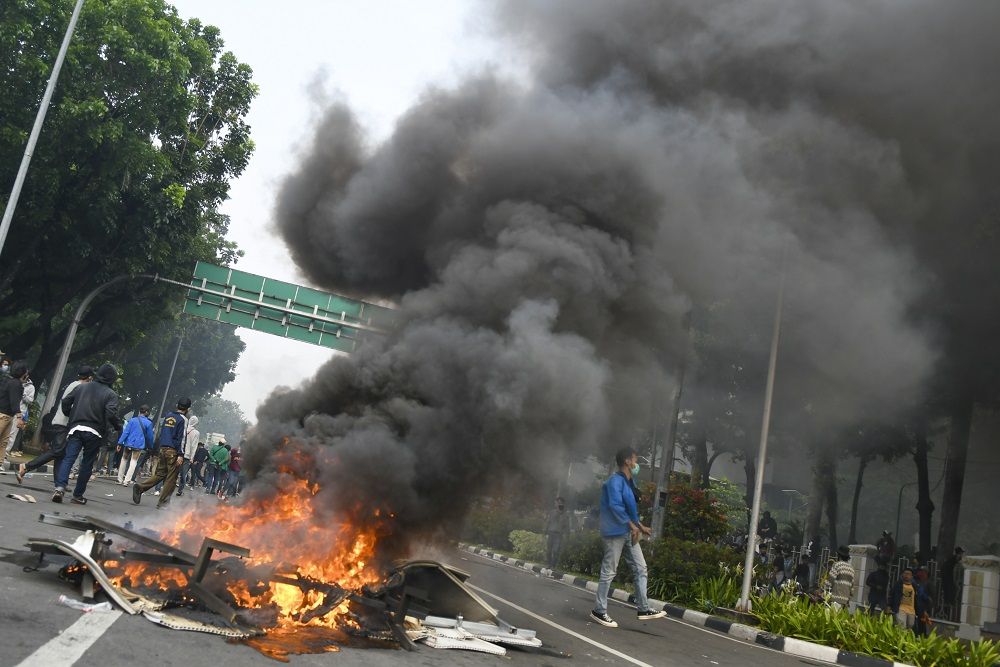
{"x":545,"y":240}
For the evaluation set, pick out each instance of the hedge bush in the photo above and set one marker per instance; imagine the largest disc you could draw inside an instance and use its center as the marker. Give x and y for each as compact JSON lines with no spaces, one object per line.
{"x":675,"y":565}
{"x":490,"y":524}
{"x":871,"y":635}
{"x":527,"y":545}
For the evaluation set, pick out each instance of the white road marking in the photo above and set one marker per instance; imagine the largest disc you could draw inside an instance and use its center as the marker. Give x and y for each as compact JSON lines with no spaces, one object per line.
{"x":69,"y":645}
{"x":555,"y":625}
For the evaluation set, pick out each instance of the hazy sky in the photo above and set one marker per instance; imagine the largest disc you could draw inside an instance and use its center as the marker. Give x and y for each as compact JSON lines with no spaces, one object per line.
{"x":380,"y":56}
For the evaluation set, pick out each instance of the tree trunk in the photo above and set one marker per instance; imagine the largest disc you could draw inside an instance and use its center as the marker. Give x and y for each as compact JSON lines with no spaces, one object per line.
{"x":954,"y":475}
{"x":925,"y":506}
{"x":831,"y":503}
{"x":852,"y":534}
{"x":706,"y":480}
{"x":699,"y":459}
{"x":816,"y":501}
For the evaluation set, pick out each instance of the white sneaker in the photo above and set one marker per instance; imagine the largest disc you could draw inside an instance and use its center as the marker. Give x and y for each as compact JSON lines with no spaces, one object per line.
{"x":157,"y":493}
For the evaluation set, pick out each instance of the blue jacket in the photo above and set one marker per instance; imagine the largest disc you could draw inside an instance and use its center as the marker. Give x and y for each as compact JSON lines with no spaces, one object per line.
{"x":138,"y":433}
{"x":172,"y":431}
{"x":618,"y":506}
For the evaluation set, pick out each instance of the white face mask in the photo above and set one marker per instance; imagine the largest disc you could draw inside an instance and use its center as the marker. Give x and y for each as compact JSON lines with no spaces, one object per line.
{"x":5,"y":368}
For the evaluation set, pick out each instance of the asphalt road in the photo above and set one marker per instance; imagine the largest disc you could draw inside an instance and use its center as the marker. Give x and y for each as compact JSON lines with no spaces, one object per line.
{"x":35,"y":624}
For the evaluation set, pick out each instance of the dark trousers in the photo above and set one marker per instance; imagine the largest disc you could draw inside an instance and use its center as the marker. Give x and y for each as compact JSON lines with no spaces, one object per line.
{"x":55,"y":453}
{"x":90,"y":445}
{"x":166,"y":472}
{"x":184,"y":477}
{"x":197,"y":472}
{"x":553,"y":549}
{"x":213,"y":478}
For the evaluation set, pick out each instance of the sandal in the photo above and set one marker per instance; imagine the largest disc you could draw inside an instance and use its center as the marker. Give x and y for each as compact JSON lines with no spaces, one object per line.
{"x":78,"y":501}
{"x":22,"y":470}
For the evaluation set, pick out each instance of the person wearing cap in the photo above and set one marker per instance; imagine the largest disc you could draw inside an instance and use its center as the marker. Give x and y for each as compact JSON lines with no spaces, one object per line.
{"x":218,"y":464}
{"x":171,"y":455}
{"x":11,"y":393}
{"x":92,"y":409}
{"x":840,"y":579}
{"x":55,"y":427}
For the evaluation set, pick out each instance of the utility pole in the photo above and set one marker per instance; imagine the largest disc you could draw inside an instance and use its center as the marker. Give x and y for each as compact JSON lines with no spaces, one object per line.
{"x":36,"y":129}
{"x":667,"y":459}
{"x":744,"y":603}
{"x":170,"y":379}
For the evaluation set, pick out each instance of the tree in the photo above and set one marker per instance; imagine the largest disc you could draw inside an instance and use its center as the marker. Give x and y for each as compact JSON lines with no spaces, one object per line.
{"x":145,"y":131}
{"x":869,"y":442}
{"x":206,"y":362}
{"x":218,"y":415}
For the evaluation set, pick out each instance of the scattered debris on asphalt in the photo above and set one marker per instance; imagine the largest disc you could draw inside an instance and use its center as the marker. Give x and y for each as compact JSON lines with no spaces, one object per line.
{"x":236,"y":597}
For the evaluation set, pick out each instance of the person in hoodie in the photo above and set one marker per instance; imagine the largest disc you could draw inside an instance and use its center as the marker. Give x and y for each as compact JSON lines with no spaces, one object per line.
{"x":218,"y":466}
{"x":11,"y":393}
{"x":136,"y":438}
{"x":191,"y":437}
{"x":620,"y":533}
{"x":92,"y":409}
{"x":21,"y":420}
{"x":54,"y":429}
{"x":171,"y":455}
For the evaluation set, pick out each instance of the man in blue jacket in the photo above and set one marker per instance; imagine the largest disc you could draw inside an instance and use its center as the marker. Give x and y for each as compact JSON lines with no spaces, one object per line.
{"x":620,"y":532}
{"x":171,"y":454}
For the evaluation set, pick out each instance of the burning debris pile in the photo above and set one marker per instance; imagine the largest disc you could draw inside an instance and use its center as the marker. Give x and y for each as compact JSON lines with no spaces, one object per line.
{"x":273,"y":604}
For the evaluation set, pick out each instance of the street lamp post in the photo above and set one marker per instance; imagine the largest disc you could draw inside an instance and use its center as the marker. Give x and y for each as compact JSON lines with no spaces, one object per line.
{"x":744,"y":603}
{"x":36,"y":129}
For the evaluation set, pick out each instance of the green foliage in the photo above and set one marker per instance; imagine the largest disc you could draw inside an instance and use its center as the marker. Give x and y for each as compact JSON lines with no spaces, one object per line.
{"x":674,"y":565}
{"x":207,"y":361}
{"x":218,"y":415}
{"x":582,"y":552}
{"x":490,"y":523}
{"x":527,"y":545}
{"x":145,"y":131}
{"x":731,"y":501}
{"x":693,"y":514}
{"x":862,"y":633}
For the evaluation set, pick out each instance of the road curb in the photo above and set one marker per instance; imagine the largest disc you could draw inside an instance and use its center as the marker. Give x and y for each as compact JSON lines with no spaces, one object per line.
{"x":747,"y":633}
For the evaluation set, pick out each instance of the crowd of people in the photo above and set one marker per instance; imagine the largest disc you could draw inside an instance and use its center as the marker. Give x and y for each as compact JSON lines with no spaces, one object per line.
{"x":83,"y":434}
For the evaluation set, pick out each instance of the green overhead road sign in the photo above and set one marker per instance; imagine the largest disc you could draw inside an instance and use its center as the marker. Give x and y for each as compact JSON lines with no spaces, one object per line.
{"x":283,"y":309}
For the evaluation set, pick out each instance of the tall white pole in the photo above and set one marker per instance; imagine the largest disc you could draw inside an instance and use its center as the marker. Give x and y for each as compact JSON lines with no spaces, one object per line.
{"x":744,"y":603}
{"x":15,"y":192}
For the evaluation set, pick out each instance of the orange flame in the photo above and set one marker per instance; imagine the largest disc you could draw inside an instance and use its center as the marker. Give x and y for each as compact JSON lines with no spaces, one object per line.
{"x":286,"y":532}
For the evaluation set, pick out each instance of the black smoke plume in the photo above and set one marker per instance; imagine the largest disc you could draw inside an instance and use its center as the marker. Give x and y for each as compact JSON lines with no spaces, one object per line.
{"x":545,"y":240}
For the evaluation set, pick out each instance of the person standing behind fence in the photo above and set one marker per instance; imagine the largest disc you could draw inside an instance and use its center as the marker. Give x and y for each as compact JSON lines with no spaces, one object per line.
{"x":136,"y":438}
{"x":93,"y":416}
{"x":878,"y":588}
{"x":620,"y":532}
{"x":171,"y":442}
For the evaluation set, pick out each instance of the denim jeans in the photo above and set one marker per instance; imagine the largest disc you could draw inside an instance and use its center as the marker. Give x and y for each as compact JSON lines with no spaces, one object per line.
{"x":211,"y":477}
{"x":90,"y":444}
{"x":613,"y":548}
